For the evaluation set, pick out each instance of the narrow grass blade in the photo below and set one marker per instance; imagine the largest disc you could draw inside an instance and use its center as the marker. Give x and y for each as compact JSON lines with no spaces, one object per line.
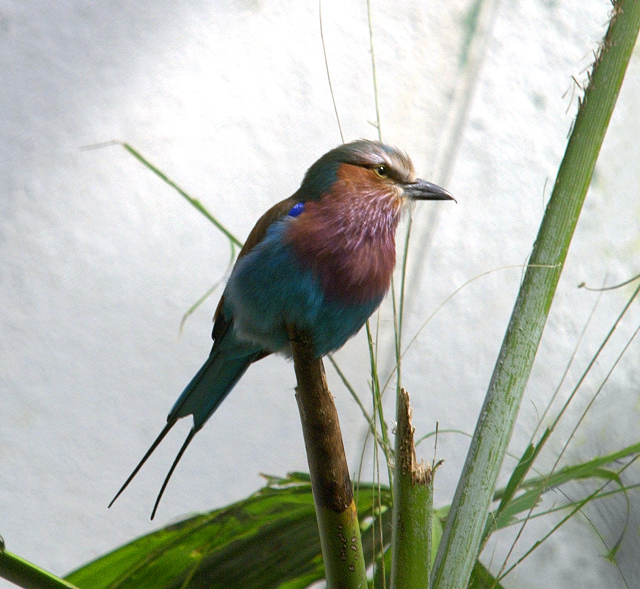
{"x":193,"y":201}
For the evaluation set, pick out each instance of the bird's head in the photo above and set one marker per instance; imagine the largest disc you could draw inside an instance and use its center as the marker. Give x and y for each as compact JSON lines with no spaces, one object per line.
{"x":345,"y":217}
{"x":374,"y":167}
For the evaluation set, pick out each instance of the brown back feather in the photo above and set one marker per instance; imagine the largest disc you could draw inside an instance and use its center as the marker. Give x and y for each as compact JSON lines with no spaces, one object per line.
{"x":220,"y":324}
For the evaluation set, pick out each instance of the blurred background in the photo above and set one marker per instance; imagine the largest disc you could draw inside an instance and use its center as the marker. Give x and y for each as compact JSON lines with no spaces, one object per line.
{"x":100,"y":260}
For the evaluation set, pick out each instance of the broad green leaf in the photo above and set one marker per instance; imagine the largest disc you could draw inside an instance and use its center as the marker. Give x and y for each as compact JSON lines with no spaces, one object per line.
{"x":481,"y":578}
{"x":269,"y":540}
{"x":535,"y":487}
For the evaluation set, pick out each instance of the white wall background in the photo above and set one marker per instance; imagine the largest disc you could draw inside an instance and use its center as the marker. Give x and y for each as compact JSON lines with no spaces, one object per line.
{"x":99,"y":259}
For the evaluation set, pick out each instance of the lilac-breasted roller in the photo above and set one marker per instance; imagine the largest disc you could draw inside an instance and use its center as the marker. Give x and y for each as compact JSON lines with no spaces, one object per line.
{"x":321,"y":260}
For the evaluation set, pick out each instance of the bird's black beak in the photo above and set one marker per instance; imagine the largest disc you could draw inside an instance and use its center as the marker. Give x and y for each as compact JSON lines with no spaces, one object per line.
{"x":423,"y":190}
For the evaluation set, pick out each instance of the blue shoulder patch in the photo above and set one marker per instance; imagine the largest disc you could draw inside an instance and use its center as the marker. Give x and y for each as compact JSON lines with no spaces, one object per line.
{"x":297,"y":209}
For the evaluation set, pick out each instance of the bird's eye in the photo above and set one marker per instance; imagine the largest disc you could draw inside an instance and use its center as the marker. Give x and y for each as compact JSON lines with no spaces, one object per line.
{"x":382,"y":171}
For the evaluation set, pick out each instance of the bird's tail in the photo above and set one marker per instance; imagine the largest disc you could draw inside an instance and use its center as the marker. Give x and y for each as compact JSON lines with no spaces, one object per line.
{"x":212,"y":383}
{"x":202,"y":396}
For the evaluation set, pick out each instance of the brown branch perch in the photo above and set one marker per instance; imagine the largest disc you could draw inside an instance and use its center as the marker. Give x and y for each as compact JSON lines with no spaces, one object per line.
{"x":338,"y":525}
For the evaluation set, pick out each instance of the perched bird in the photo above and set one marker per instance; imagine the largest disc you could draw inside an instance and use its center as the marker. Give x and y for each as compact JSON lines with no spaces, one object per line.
{"x":321,"y":260}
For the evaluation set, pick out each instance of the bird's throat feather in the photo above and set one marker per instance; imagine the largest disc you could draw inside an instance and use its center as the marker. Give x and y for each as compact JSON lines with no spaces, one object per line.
{"x":347,"y":238}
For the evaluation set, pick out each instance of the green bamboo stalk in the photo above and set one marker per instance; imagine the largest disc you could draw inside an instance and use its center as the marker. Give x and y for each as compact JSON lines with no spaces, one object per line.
{"x":25,"y":574}
{"x":338,"y":525}
{"x":412,"y":508}
{"x":460,"y":543}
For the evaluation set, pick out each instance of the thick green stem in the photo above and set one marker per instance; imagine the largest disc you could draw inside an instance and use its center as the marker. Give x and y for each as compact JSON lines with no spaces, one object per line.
{"x":338,"y":525}
{"x":460,"y":543}
{"x":25,"y":574}
{"x":412,"y":508}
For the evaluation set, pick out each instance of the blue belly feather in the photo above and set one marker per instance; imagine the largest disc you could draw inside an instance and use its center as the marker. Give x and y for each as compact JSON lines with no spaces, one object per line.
{"x":269,"y":288}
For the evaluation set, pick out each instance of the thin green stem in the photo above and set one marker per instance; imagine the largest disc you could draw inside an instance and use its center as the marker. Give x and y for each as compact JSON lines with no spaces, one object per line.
{"x":192,"y":201}
{"x":326,"y":65}
{"x":587,"y":370}
{"x":374,"y":71}
{"x":377,"y":400}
